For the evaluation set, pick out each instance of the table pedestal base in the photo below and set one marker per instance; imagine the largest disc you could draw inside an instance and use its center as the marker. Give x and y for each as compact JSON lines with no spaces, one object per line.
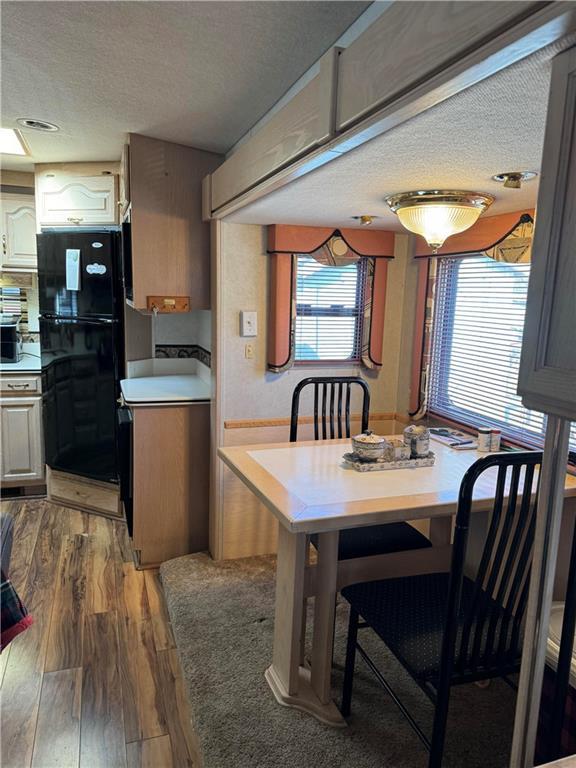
{"x":305,"y":700}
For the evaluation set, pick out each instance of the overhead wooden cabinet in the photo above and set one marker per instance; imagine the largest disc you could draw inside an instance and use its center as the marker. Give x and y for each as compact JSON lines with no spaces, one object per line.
{"x":547,"y":380}
{"x":18,"y":232}
{"x":171,"y":466}
{"x":305,"y":122}
{"x":170,"y":242}
{"x":410,"y":40}
{"x":77,"y":194}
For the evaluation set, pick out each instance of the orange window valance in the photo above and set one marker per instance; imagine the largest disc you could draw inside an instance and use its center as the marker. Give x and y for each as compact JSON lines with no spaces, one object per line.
{"x":288,"y":238}
{"x":287,"y":241}
{"x":484,"y":235}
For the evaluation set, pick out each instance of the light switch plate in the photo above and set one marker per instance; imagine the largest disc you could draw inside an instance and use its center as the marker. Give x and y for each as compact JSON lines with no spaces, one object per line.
{"x":248,"y":323}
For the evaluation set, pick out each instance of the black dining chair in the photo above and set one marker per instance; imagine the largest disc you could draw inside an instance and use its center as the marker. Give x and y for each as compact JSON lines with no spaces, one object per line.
{"x":332,"y":396}
{"x":452,"y":628}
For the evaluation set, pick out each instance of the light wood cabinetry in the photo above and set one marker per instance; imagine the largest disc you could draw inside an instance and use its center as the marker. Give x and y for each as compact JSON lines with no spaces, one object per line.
{"x":124,"y":181}
{"x":302,"y":124}
{"x":18,"y":232}
{"x":21,"y":430}
{"x":171,"y":450}
{"x":77,"y":194}
{"x":409,"y":39}
{"x":547,"y":380}
{"x":413,"y":56}
{"x":170,"y":242}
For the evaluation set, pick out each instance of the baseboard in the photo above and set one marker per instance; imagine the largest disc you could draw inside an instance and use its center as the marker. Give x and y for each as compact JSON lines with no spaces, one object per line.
{"x":84,"y":494}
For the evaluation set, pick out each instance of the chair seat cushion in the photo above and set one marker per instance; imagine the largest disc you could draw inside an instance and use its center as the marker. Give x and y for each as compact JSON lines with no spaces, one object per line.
{"x":378,"y":540}
{"x":409,"y":615}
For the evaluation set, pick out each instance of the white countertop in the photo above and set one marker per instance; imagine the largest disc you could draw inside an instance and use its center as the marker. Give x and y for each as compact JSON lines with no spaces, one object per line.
{"x":165,"y":389}
{"x":30,"y":361}
{"x":166,"y":381}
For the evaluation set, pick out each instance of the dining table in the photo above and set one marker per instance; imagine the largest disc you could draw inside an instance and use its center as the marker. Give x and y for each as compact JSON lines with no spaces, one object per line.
{"x":311,"y":490}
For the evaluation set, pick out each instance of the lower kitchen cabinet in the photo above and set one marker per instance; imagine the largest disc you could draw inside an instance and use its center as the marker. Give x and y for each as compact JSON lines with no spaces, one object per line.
{"x":171,"y":467}
{"x":22,"y":452}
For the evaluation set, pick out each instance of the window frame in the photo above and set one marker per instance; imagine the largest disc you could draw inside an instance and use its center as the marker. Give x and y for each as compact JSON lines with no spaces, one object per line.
{"x":358,"y":313}
{"x":441,"y":357}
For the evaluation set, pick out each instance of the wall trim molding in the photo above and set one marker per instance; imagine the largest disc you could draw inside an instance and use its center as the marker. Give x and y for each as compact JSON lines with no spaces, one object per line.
{"x":284,"y":421}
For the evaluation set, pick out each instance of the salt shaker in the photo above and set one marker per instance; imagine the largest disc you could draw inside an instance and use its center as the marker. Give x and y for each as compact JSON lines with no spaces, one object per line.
{"x":484,"y":440}
{"x":495,"y":437}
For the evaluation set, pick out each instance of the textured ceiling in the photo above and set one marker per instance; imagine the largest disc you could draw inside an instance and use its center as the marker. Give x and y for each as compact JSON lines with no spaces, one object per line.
{"x":493,"y":127}
{"x":197,"y":73}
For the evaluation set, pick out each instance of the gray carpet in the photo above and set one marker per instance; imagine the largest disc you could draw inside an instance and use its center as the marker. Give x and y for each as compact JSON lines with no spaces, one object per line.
{"x":222,"y":616}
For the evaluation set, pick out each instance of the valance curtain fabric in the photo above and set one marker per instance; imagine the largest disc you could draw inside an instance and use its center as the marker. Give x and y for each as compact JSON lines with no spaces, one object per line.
{"x":516,"y":247}
{"x":484,"y":236}
{"x":506,"y":238}
{"x":329,"y":248}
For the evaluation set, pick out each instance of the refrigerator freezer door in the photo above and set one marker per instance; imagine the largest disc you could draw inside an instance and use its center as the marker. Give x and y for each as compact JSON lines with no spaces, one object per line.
{"x":79,"y":374}
{"x":77,"y":273}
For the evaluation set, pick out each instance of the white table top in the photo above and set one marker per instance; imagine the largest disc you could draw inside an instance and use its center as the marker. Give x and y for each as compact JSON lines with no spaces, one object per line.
{"x":309,"y":489}
{"x":165,"y":389}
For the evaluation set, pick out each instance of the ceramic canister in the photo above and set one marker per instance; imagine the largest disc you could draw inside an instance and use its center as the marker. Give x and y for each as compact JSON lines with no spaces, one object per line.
{"x":418,"y":440}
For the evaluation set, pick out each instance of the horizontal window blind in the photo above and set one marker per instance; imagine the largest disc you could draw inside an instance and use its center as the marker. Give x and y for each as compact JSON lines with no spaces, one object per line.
{"x":476,"y":344}
{"x":328,"y":310}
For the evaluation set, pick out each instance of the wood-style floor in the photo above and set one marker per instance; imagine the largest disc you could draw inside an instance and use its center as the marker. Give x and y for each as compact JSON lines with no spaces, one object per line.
{"x":95,"y":682}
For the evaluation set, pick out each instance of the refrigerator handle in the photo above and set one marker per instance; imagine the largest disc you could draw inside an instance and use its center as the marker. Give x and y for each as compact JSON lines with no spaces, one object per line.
{"x":77,"y":320}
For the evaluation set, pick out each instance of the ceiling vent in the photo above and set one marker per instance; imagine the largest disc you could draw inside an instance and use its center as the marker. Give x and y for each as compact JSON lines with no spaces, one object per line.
{"x":37,"y":125}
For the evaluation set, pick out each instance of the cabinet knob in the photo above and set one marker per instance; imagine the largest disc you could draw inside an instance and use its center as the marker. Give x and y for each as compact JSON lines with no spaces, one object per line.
{"x":4,"y":244}
{"x":17,"y":386}
{"x":74,"y":220}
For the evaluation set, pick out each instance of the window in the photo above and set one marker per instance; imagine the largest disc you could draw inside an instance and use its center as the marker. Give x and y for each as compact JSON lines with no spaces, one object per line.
{"x":329,"y":309}
{"x":476,"y":342}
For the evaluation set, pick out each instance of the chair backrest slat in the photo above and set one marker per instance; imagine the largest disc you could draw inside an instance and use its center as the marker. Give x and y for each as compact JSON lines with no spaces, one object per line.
{"x":491,"y":620}
{"x":295,"y":425}
{"x":348,"y":409}
{"x":497,"y":557}
{"x":515,"y":566}
{"x":332,"y":430}
{"x":339,"y":418}
{"x":484,"y":561}
{"x":324,"y":387}
{"x":331,"y":417}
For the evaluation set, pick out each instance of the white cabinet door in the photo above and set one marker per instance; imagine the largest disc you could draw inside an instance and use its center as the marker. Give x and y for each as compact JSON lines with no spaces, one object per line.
{"x":547,"y":380}
{"x":21,"y":429}
{"x":65,"y":200}
{"x":18,"y":232}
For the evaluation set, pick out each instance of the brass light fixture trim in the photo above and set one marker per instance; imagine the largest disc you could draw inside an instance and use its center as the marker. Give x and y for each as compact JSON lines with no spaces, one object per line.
{"x":436,"y":214}
{"x":514,"y":179}
{"x":365,"y":219}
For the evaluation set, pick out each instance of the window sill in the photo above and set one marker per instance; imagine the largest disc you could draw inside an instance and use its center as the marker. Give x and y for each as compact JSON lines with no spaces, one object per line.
{"x":328,"y":363}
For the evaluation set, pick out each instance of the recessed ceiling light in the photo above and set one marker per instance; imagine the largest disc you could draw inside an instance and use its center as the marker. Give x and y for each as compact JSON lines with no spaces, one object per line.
{"x":11,"y":143}
{"x":37,"y":125}
{"x":514,"y":179}
{"x":365,"y":219}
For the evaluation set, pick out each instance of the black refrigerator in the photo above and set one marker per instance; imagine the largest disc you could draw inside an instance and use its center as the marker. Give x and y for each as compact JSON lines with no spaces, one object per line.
{"x":81,"y":339}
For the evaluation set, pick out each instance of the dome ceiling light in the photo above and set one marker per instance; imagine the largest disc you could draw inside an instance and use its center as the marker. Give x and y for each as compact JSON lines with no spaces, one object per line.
{"x":439,"y":213}
{"x":514,"y":179}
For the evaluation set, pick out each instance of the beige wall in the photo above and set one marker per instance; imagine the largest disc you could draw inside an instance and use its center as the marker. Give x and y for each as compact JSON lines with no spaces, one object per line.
{"x":409,"y":296}
{"x":247,"y":391}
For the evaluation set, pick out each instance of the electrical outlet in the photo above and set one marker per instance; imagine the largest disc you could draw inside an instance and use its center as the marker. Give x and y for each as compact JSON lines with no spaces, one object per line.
{"x":249,"y":351}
